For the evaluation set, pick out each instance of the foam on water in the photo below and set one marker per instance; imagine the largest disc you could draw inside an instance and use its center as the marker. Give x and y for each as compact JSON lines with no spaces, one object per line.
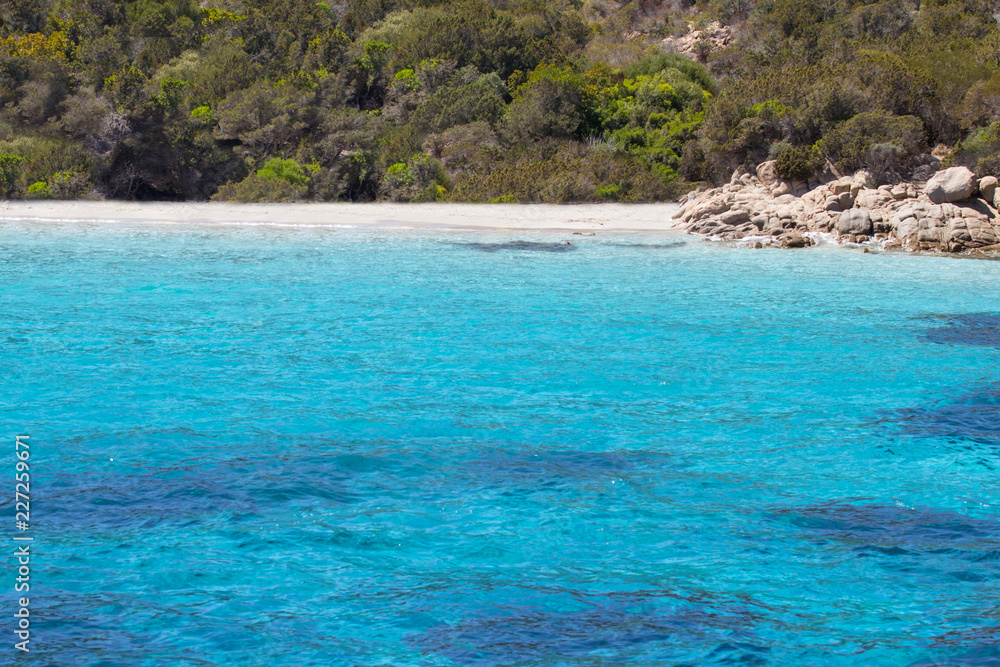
{"x":259,"y":445}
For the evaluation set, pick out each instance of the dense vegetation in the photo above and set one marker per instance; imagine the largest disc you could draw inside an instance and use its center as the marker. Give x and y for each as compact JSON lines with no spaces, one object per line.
{"x":862,"y":83}
{"x":479,"y":100}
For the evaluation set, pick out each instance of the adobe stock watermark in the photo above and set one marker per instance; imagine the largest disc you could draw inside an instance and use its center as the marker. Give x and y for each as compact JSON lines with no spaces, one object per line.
{"x":22,"y":551}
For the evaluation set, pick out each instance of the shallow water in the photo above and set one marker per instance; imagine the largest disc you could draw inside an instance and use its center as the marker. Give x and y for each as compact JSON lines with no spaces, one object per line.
{"x":340,"y":447}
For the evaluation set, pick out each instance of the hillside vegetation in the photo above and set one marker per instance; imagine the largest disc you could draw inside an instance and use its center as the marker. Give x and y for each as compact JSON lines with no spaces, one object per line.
{"x":475,"y":100}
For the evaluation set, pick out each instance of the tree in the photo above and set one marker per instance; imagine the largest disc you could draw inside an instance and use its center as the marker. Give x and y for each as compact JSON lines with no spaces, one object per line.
{"x":551,"y":103}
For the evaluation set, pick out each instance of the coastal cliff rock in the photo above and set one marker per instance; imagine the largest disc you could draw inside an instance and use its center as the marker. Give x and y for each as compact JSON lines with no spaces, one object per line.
{"x":942,"y":216}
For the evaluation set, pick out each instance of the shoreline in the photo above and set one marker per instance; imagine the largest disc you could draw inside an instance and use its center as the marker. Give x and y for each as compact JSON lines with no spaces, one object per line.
{"x":379,"y":215}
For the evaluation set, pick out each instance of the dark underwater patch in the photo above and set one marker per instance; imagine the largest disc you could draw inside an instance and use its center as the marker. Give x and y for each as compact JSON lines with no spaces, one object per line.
{"x":537,"y":473}
{"x":650,"y":246}
{"x":968,"y":329}
{"x":963,"y":543}
{"x":530,"y":246}
{"x":972,"y":418}
{"x":983,"y":655}
{"x":119,"y":498}
{"x":526,"y":633}
{"x":185,"y":493}
{"x":77,"y":631}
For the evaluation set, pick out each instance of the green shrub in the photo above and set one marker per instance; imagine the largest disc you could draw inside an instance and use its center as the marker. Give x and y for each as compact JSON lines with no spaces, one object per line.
{"x":203,"y":116}
{"x":278,"y":180}
{"x":354,"y":177}
{"x":457,"y":147}
{"x":665,"y":62}
{"x":551,"y":103}
{"x":254,"y":188}
{"x":881,"y":20}
{"x":265,"y":117}
{"x":800,"y":163}
{"x":850,"y":145}
{"x":283,"y":170}
{"x":611,"y":192}
{"x":420,"y":179}
{"x":693,"y":166}
{"x":884,"y":160}
{"x":563,"y":172}
{"x":468,"y":33}
{"x":746,"y":120}
{"x":10,"y":170}
{"x":461,"y":103}
{"x":966,"y":18}
{"x":39,"y":190}
{"x":220,"y":67}
{"x":398,"y":176}
{"x":127,"y":89}
{"x":44,"y":156}
{"x":328,"y":52}
{"x":171,"y":94}
{"x":68,"y":185}
{"x":777,"y":148}
{"x":979,"y":152}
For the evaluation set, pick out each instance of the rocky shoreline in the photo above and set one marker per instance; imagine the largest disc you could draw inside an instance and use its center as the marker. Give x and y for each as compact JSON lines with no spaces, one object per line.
{"x":945,"y":211}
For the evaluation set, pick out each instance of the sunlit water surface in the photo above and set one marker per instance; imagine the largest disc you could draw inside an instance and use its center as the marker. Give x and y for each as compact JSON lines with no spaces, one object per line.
{"x":260,"y":446}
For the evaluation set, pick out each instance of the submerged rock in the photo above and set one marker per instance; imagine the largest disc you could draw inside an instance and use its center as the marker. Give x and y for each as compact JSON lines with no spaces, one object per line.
{"x":794,"y":241}
{"x":535,"y":246}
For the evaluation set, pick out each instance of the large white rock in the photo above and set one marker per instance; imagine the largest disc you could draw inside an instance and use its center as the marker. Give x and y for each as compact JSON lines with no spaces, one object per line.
{"x":952,"y":184}
{"x":855,"y":221}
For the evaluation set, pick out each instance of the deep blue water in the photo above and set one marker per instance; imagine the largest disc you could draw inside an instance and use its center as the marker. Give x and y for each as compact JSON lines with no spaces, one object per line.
{"x":337,"y":447}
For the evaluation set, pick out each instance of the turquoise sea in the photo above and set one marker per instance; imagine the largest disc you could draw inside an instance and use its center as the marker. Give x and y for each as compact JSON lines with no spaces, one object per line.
{"x":300,"y":446}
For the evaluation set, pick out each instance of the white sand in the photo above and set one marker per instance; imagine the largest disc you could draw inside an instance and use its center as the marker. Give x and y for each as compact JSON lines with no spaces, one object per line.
{"x":533,"y":217}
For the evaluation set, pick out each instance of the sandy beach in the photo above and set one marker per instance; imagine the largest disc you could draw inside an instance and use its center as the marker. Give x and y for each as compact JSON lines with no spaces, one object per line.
{"x":540,"y":217}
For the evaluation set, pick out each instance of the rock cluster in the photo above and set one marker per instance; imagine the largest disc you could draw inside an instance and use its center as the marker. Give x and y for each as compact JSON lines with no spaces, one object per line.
{"x":696,"y":44}
{"x":952,"y":212}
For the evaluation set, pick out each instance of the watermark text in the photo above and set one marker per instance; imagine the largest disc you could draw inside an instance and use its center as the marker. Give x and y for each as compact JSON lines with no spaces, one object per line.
{"x":22,"y":551}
